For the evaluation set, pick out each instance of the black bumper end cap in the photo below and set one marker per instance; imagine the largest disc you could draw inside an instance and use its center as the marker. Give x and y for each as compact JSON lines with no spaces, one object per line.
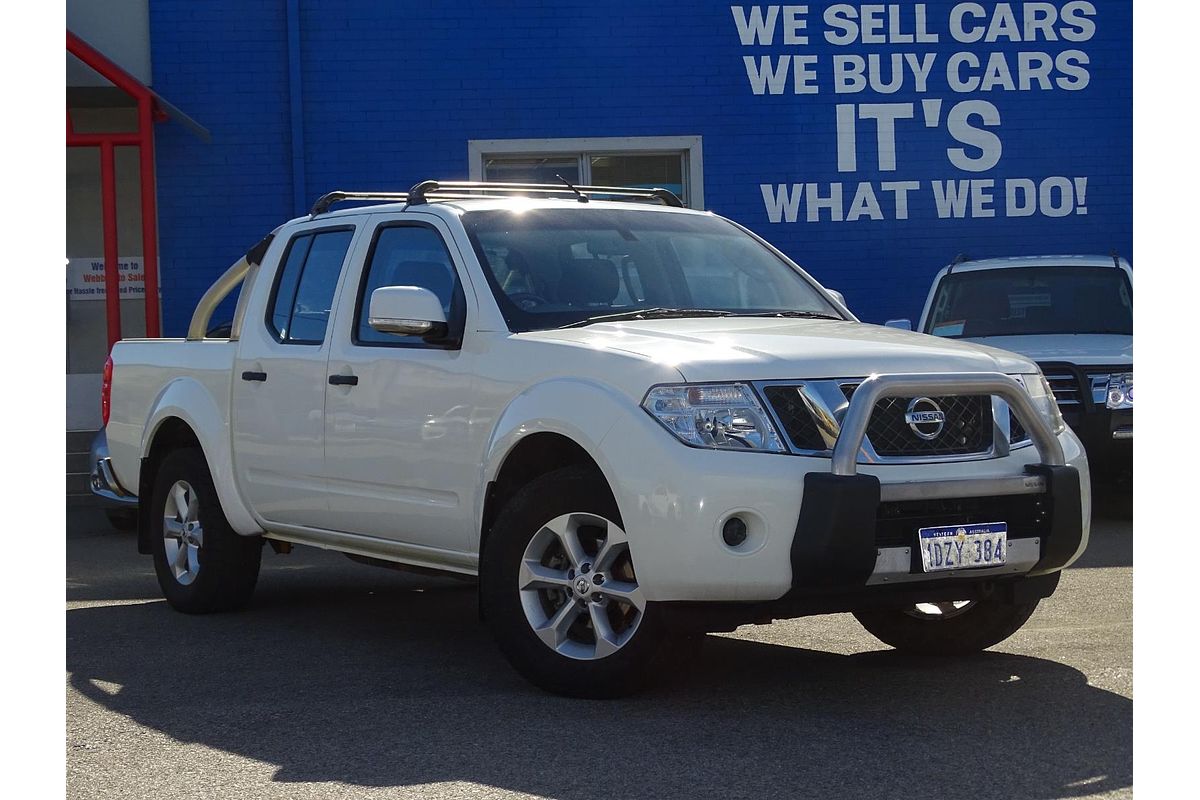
{"x":1066,"y":526}
{"x":834,"y":545}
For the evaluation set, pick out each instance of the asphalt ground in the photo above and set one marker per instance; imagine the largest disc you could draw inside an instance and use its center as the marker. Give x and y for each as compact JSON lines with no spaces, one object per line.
{"x":344,"y":680}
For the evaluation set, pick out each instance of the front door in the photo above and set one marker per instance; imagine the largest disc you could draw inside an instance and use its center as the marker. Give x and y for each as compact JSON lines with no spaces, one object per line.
{"x":398,"y":408}
{"x":279,"y":379}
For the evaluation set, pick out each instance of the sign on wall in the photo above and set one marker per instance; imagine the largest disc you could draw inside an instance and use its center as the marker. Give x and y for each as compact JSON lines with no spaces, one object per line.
{"x":921,"y":97}
{"x":85,"y":278}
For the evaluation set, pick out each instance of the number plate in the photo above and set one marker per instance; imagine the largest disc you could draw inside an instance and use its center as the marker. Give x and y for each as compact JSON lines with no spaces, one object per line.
{"x":983,"y":544}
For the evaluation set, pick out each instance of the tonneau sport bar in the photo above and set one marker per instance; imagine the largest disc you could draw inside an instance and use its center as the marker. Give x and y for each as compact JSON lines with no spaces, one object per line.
{"x":465,"y":190}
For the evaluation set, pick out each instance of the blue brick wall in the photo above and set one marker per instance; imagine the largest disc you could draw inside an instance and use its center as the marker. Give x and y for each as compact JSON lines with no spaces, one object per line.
{"x":392,"y":92}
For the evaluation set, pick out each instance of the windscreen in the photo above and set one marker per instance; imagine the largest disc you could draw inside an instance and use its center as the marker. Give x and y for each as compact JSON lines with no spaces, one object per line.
{"x":1037,"y":300}
{"x":555,"y":267}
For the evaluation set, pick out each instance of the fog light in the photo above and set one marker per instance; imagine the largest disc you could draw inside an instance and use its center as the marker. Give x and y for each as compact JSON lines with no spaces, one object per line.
{"x":734,"y":531}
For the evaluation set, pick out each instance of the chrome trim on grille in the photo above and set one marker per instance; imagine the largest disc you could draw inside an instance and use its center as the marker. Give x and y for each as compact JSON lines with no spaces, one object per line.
{"x":826,"y":402}
{"x":1065,"y":387}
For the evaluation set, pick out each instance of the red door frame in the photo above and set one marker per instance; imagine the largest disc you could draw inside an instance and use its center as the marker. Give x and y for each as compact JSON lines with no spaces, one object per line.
{"x":149,"y":112}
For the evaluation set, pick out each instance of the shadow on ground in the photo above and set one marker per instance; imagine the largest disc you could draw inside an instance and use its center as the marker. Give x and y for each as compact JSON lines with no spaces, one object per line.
{"x":377,"y":679}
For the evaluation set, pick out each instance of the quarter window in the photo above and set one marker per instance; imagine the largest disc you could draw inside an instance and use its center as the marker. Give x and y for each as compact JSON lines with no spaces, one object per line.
{"x":308,"y":278}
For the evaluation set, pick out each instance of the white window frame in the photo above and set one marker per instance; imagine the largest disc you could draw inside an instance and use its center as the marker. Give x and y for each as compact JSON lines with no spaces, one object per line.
{"x":479,"y":150}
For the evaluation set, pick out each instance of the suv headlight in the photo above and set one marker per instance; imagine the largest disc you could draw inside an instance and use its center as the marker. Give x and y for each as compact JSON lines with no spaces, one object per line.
{"x":1043,"y":400}
{"x":1120,"y":391}
{"x":723,"y":416}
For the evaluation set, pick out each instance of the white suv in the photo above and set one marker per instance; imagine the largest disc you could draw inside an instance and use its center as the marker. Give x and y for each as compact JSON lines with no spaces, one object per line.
{"x":1073,"y":315}
{"x":633,"y":421}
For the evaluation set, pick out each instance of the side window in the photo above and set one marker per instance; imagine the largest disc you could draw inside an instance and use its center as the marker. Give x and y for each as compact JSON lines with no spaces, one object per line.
{"x":303,"y":297}
{"x":409,"y":255}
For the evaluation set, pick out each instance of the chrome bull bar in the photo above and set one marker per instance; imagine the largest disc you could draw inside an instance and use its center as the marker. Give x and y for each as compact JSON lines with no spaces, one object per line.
{"x":877,"y":387}
{"x":835,"y":540}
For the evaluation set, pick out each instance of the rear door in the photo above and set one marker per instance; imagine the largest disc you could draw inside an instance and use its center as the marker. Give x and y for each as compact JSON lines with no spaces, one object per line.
{"x":398,"y":452}
{"x":279,"y":376}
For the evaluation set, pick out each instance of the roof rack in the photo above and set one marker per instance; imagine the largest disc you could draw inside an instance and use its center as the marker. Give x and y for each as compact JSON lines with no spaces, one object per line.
{"x":324,"y":203}
{"x":426,"y":191}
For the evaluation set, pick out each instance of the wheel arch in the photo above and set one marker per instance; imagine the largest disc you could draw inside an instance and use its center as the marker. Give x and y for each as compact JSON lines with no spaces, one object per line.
{"x":186,"y":415}
{"x":534,"y":436}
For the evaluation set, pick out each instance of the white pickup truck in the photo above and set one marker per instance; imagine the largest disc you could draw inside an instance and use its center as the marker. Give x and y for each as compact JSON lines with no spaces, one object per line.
{"x":634,"y":422}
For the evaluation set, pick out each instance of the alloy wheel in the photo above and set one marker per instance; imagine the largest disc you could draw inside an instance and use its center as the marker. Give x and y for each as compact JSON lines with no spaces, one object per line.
{"x":183,"y":535}
{"x":578,"y":588}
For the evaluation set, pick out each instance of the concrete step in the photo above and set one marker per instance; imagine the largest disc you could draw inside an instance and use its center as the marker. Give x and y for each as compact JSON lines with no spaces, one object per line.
{"x":78,"y":462}
{"x":79,"y":483}
{"x":79,"y":441}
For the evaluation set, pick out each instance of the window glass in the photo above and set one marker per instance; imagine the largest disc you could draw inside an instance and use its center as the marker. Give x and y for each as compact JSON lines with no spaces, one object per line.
{"x":661,"y":171}
{"x":535,"y":169}
{"x":304,"y":292}
{"x":1036,"y":300}
{"x":285,"y":285}
{"x":553,"y":267}
{"x":409,"y":255}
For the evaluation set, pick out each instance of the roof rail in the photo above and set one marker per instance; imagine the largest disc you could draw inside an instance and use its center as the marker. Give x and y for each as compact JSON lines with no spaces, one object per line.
{"x":327,"y":200}
{"x":464,"y":190}
{"x":425,"y":191}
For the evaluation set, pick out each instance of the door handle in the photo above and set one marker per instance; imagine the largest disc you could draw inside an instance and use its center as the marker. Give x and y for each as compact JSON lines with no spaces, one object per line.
{"x":254,"y":376}
{"x":343,"y":380}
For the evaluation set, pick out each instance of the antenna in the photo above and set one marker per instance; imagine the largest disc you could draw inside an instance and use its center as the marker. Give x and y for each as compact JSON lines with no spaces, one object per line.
{"x":583,"y":198}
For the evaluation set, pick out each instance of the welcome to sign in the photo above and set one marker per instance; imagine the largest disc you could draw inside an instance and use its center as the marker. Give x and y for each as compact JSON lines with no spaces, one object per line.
{"x":85,"y":278}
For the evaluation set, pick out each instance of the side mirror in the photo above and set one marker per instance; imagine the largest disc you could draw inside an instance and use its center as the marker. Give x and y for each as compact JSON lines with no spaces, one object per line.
{"x":902,"y":324}
{"x":406,"y":311}
{"x":841,"y":298}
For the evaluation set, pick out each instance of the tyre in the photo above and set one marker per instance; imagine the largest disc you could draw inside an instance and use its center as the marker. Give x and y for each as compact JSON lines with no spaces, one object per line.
{"x":122,"y":519}
{"x":202,"y":564}
{"x":946,"y":629}
{"x":559,"y":590}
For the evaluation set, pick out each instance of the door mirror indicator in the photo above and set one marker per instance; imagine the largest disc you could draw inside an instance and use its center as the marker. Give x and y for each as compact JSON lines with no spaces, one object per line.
{"x":902,"y":324}
{"x":407,"y":311}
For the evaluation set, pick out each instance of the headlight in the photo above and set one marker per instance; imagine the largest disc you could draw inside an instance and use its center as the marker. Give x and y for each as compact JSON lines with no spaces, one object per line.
{"x":1043,"y":400}
{"x":721,"y":416}
{"x":1120,"y":391}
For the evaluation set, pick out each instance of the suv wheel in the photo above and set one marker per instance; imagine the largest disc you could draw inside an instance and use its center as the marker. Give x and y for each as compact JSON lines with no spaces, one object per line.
{"x":946,"y":629}
{"x":560,"y":591}
{"x":202,"y":564}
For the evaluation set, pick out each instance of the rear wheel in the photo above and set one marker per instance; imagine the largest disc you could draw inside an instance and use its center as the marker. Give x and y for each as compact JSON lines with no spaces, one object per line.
{"x":561,"y":593}
{"x":202,"y":564}
{"x":946,"y":629}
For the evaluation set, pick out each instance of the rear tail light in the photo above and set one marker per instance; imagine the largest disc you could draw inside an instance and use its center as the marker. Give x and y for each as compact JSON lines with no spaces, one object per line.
{"x":106,"y":392}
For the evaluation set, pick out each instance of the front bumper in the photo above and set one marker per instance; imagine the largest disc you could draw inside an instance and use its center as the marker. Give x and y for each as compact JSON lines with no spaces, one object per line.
{"x":816,"y":532}
{"x":104,"y":483}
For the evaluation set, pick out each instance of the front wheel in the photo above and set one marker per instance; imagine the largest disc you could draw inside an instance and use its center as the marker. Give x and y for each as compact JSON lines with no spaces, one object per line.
{"x":948,"y":628}
{"x":561,"y":594}
{"x":203,"y":565}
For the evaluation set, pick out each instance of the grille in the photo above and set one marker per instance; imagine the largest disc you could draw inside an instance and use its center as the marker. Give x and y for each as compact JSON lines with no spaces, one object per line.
{"x":793,"y":415}
{"x":1016,"y":431}
{"x":897,"y":522}
{"x":1065,"y":387}
{"x":968,"y":426}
